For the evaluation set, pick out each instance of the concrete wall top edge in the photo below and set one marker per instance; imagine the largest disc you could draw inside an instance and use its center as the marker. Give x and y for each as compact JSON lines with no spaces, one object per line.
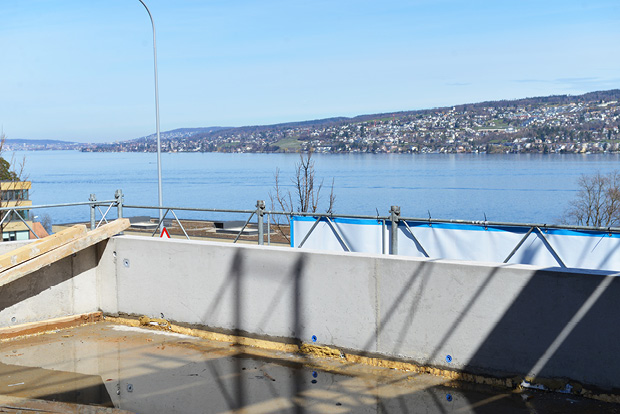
{"x":489,"y":265}
{"x":6,"y":247}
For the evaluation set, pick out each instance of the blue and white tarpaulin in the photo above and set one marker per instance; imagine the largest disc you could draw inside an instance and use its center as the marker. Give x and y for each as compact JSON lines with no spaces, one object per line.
{"x":542,"y":247}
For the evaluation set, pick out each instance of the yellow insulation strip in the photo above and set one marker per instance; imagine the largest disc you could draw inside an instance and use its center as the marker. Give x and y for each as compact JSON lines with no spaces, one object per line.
{"x":334,"y":353}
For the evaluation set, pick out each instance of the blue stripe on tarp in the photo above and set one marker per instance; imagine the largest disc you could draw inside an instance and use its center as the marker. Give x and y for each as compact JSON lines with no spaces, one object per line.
{"x":465,"y":227}
{"x":511,"y":229}
{"x":366,"y":222}
{"x":472,"y":227}
{"x":582,"y":233}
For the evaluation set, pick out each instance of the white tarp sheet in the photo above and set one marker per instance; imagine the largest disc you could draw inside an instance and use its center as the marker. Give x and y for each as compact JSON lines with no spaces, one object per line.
{"x":576,"y":249}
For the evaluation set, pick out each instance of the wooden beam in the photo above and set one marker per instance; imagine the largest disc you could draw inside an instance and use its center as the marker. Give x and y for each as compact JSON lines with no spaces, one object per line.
{"x":89,"y":239}
{"x":41,"y":246}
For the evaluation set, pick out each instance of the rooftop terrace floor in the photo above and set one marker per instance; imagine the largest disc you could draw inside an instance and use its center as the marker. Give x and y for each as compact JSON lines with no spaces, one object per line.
{"x":149,"y":371}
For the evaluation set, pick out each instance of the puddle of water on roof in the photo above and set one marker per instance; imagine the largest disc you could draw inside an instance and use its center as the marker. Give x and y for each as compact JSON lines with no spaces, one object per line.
{"x":145,"y":371}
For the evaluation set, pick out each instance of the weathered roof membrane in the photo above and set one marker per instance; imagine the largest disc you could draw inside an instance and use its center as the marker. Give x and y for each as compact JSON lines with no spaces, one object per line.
{"x":120,"y":368}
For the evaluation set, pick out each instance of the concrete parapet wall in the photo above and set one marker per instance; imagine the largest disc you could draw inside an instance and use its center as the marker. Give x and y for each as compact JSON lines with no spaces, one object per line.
{"x":7,"y":246}
{"x":499,"y":320}
{"x":66,"y":287}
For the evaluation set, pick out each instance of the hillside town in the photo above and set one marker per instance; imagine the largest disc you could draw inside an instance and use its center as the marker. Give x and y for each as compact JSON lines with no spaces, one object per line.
{"x":558,"y":124}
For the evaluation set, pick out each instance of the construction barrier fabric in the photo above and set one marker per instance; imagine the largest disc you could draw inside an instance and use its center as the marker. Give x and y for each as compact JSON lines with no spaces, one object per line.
{"x":542,"y":247}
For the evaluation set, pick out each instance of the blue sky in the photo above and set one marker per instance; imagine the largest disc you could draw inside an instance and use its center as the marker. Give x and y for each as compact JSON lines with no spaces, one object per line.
{"x":83,"y":70}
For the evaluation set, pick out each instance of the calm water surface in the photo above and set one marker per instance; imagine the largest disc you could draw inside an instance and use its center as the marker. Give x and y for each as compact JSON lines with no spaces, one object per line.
{"x":511,"y":187}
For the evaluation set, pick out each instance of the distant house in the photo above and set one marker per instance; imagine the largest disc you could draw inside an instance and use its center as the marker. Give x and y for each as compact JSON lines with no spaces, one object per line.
{"x":39,"y":230}
{"x":15,"y":194}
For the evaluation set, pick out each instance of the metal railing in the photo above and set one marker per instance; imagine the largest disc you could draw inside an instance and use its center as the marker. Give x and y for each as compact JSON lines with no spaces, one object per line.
{"x":395,"y":220}
{"x":263,"y":216}
{"x":8,"y":213}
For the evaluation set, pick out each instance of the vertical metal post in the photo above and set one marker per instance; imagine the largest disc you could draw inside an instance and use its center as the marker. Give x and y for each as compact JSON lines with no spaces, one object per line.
{"x":260,"y":212}
{"x":394,"y":218}
{"x":118,"y":195}
{"x":93,"y":222}
{"x":119,"y":203}
{"x":383,"y":230}
{"x":268,"y":229}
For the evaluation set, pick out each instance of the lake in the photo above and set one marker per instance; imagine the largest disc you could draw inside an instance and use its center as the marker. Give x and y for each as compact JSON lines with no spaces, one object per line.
{"x":533,"y":188}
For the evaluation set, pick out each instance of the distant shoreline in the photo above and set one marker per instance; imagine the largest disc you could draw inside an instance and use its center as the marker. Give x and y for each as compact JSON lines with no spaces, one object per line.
{"x":588,"y":123}
{"x":550,"y":153}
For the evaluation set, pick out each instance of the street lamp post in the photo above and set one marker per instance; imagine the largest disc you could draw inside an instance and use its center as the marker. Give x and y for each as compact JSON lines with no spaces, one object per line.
{"x":161,"y":203}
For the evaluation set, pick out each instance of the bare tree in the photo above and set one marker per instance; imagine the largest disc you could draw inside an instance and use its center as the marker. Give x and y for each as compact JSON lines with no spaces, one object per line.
{"x":597,"y":203}
{"x":306,"y":194}
{"x":10,"y":171}
{"x":46,"y":222}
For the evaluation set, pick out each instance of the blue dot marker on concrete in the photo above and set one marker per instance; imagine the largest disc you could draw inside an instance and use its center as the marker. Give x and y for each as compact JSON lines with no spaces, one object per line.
{"x":448,"y":397}
{"x":448,"y":358}
{"x":314,"y":338}
{"x":315,"y":374}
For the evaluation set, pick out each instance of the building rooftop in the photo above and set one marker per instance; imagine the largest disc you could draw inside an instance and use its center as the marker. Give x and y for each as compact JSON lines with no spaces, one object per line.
{"x":194,"y":326}
{"x":142,"y":370}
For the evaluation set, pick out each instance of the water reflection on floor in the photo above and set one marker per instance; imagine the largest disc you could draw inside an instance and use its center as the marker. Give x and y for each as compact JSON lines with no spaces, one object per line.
{"x":145,"y":371}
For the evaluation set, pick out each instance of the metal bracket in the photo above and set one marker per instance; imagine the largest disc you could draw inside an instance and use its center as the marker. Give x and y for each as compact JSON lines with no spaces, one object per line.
{"x":103,"y":215}
{"x":244,"y":226}
{"x":512,"y":253}
{"x":545,"y":241}
{"x":555,"y":255}
{"x":160,"y":222}
{"x":180,"y":225}
{"x":309,"y":232}
{"x":415,"y":239}
{"x":338,"y":235}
